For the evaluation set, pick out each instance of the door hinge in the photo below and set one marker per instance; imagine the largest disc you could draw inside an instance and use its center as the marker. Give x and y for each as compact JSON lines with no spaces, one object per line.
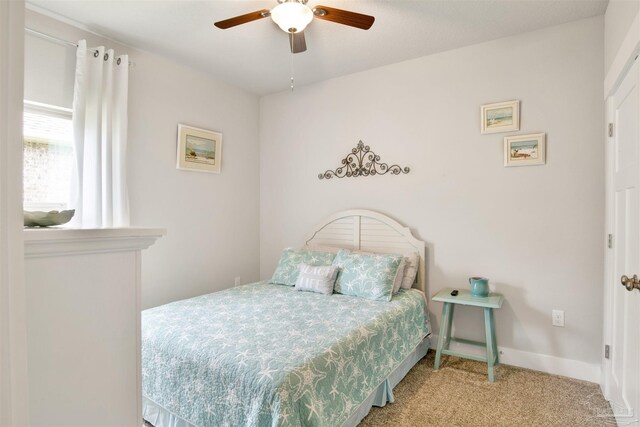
{"x":610,"y":130}
{"x":606,"y":351}
{"x":610,"y":241}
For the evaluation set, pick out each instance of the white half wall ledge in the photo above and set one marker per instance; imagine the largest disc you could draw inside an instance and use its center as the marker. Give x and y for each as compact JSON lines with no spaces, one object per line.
{"x":44,"y":242}
{"x":554,"y":365}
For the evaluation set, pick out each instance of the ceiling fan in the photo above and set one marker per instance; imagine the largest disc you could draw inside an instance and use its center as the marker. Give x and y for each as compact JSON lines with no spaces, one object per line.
{"x":292,"y":16}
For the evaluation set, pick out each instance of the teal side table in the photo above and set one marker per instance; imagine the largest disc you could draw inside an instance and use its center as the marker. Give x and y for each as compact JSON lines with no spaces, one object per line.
{"x":464,"y":297}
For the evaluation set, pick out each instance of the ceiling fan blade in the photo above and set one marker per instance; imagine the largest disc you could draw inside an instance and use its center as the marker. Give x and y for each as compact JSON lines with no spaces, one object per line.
{"x":344,"y":17}
{"x":297,"y":42}
{"x":243,"y":19}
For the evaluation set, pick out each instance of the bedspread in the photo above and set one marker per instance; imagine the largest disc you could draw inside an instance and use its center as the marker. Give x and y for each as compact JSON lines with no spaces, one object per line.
{"x":268,"y":355}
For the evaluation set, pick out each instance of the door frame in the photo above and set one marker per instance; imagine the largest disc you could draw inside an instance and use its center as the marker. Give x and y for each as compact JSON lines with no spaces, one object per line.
{"x":605,"y":382}
{"x":622,"y":64}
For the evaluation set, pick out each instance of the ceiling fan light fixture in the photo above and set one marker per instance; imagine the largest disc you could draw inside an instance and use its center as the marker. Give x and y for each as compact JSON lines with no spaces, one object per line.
{"x":292,"y":16}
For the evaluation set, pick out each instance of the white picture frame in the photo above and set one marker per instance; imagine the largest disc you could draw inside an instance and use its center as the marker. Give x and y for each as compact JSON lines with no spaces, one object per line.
{"x":500,"y":117}
{"x":198,"y":149}
{"x":525,"y":150}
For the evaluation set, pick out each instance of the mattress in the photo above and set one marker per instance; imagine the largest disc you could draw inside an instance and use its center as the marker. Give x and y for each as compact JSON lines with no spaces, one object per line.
{"x":268,"y":355}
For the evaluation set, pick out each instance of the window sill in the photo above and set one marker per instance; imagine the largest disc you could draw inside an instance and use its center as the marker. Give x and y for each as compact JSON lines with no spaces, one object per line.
{"x":44,"y":242}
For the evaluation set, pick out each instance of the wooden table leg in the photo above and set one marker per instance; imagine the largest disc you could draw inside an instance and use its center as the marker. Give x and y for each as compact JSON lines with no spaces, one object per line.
{"x":488,"y":328}
{"x":447,"y":341}
{"x":444,"y":323}
{"x":494,"y":340}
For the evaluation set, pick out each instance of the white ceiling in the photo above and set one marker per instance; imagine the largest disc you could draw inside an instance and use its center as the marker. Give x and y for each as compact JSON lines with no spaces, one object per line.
{"x":256,"y":57}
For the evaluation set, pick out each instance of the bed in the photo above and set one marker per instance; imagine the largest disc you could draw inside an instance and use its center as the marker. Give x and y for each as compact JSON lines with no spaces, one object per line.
{"x":268,"y":355}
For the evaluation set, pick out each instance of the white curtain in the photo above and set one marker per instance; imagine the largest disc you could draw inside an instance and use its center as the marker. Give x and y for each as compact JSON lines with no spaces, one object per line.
{"x":99,"y":191}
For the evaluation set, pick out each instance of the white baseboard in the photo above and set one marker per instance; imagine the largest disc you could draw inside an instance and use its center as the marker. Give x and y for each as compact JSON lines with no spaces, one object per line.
{"x":536,"y":361}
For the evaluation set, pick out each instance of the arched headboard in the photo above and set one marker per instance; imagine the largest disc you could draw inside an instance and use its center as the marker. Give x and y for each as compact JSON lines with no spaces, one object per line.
{"x":370,"y":231}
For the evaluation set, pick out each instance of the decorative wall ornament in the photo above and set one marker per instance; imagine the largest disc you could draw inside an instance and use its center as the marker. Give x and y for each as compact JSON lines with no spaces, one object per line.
{"x":362,"y":162}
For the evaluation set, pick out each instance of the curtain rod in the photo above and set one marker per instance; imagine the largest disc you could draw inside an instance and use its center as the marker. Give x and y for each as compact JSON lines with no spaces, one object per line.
{"x":59,"y":40}
{"x":53,"y":38}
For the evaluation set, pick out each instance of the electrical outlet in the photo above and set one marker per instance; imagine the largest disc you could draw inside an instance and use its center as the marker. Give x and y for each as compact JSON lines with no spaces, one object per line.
{"x":557,"y":318}
{"x":237,"y":281}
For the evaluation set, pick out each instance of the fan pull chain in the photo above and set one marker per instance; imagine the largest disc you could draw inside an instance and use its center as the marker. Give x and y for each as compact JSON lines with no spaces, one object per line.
{"x":292,"y":82}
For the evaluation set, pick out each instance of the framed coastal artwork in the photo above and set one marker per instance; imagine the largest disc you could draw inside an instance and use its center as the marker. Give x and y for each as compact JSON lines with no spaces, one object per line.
{"x":199,"y":149}
{"x":500,"y":117}
{"x":525,"y":150}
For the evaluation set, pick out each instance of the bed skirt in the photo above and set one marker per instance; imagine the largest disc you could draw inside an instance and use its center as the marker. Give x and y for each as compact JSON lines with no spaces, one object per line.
{"x":160,"y":417}
{"x":384,"y":392}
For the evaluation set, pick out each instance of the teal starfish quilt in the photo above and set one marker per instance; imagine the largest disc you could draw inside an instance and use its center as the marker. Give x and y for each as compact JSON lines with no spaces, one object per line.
{"x":268,"y":355}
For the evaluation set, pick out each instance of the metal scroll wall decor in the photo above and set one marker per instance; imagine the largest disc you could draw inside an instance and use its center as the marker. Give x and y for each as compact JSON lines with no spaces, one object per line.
{"x":362,"y":162}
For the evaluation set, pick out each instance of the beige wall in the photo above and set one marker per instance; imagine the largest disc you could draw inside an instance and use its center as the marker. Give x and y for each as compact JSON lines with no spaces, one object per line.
{"x":536,"y":232}
{"x":211,"y":220}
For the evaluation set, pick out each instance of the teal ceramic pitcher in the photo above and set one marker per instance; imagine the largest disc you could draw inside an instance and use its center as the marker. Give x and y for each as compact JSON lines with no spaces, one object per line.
{"x":479,"y":286}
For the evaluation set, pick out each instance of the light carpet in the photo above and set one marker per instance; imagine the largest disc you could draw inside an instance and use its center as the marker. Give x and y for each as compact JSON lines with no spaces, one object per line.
{"x":459,"y":394}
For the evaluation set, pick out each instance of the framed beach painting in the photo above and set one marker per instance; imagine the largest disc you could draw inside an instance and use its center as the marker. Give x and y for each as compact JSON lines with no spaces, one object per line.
{"x":199,"y":149}
{"x":525,"y":150}
{"x":500,"y":117}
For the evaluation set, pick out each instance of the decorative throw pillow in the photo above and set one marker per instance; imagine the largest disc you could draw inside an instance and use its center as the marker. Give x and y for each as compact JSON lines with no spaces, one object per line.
{"x":410,"y":271}
{"x":287,"y":270}
{"x":319,"y":279}
{"x":401,"y":268}
{"x":397,"y":282}
{"x":366,"y":276}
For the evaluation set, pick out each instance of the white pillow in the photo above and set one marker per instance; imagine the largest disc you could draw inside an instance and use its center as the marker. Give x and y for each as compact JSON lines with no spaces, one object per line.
{"x":397,"y":282}
{"x":410,"y":271}
{"x":329,"y":249}
{"x":319,"y":279}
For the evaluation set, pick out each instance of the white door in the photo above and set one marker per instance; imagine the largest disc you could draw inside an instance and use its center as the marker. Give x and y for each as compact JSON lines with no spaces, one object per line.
{"x":622,"y":369}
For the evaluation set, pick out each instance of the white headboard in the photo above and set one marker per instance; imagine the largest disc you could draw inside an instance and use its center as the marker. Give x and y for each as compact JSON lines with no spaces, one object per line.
{"x":369,"y":231}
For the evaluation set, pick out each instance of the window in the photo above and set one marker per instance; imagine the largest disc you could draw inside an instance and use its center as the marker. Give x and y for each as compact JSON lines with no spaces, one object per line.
{"x":48,"y":156}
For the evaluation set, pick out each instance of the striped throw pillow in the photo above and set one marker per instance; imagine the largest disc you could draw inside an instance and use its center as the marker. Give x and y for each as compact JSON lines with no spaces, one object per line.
{"x":319,"y":279}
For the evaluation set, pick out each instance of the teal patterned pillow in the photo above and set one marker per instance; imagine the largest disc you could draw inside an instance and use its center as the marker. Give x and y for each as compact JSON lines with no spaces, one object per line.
{"x":288,"y":267}
{"x":369,"y":276}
